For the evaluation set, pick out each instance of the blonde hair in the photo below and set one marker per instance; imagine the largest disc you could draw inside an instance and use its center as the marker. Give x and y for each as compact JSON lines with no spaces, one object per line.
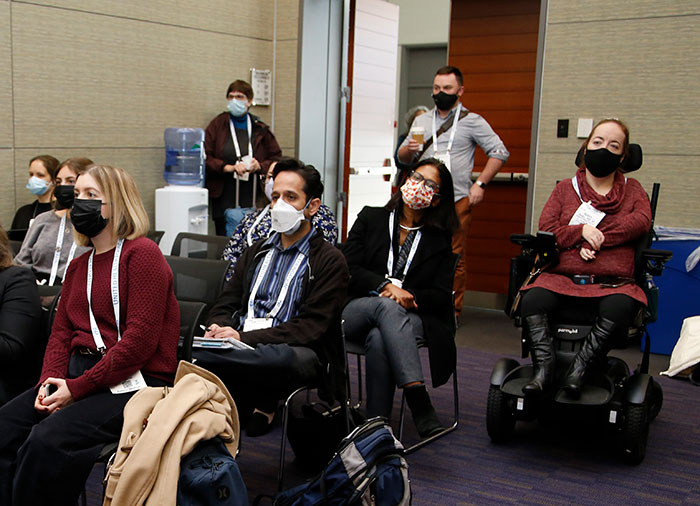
{"x":128,"y":219}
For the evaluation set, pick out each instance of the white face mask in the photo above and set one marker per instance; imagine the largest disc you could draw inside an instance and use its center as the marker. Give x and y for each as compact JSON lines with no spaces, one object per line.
{"x":286,"y":218}
{"x":268,"y":189}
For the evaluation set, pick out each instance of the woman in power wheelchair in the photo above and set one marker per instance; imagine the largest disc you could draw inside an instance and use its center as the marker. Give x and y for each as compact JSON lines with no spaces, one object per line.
{"x":593,"y":231}
{"x":596,"y":218}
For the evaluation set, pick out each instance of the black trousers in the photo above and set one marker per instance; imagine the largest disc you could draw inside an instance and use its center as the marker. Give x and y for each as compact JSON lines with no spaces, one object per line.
{"x":45,"y":459}
{"x":618,"y":308}
{"x":258,"y":378}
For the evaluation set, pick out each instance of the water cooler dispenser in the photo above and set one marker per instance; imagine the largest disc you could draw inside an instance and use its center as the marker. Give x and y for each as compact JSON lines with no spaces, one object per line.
{"x":182,"y":206}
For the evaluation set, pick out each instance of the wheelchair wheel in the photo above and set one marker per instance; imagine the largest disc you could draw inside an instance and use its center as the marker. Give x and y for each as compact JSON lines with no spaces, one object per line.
{"x":635,"y":431}
{"x":656,"y":400}
{"x":500,"y":421}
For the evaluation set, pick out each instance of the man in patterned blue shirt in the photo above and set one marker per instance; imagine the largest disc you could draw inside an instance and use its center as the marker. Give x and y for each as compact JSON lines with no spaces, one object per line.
{"x":284,"y":301}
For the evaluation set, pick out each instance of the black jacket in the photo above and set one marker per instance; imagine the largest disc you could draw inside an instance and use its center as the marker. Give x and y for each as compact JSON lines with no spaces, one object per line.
{"x":429,"y":279}
{"x":316,"y":326}
{"x":22,"y":338}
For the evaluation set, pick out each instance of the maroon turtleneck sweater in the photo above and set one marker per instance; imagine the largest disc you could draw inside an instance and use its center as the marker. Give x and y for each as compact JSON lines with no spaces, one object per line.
{"x":628,"y":216}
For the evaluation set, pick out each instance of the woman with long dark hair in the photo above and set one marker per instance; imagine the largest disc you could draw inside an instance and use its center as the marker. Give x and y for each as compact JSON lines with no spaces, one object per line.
{"x":400,"y":260}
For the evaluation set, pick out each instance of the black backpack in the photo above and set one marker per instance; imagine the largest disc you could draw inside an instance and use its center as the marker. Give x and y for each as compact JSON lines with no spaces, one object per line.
{"x":210,"y":476}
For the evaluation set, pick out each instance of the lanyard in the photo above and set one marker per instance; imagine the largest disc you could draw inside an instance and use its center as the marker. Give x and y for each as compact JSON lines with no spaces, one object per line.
{"x":452,"y":133}
{"x":411,"y":254}
{"x":256,"y":223}
{"x":235,"y":140}
{"x":114,"y":283}
{"x":238,"y":154}
{"x":285,"y":286}
{"x":57,"y":253}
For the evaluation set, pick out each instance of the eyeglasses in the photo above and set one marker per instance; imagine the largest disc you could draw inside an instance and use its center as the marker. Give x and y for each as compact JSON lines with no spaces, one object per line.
{"x":429,"y":183}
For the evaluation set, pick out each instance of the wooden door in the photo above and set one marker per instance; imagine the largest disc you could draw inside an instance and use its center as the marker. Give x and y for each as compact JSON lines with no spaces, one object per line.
{"x":494,"y":44}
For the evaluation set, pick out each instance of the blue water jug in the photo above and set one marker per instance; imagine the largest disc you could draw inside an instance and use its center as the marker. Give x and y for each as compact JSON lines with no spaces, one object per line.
{"x":184,"y":156}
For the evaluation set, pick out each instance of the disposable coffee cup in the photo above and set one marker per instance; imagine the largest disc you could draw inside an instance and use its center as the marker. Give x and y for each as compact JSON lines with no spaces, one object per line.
{"x":418,"y":134}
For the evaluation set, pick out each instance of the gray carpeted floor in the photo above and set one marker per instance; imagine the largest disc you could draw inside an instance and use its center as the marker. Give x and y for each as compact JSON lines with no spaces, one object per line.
{"x":551,"y":465}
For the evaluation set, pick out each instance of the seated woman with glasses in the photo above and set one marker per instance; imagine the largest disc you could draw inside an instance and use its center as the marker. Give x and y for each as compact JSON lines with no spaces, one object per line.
{"x":258,"y":225}
{"x":400,"y":260}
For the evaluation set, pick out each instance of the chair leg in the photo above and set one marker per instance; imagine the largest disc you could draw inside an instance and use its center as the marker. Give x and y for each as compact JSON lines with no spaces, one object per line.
{"x":283,"y":444}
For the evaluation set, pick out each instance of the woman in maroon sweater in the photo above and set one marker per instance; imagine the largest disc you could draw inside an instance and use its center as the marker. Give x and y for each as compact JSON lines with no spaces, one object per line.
{"x":596,"y":217}
{"x":53,"y":432}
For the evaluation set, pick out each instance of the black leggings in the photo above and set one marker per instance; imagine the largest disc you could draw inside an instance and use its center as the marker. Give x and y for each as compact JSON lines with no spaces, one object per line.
{"x":618,"y":307}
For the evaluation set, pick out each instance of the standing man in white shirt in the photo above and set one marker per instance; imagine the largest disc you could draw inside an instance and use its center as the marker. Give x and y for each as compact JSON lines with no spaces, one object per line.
{"x":458,"y":131}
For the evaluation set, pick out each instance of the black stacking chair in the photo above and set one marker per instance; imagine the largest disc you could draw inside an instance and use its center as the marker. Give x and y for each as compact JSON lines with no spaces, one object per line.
{"x":198,"y":279}
{"x":199,"y":245}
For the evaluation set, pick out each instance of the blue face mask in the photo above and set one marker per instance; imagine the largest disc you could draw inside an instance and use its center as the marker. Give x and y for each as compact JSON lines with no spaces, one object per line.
{"x":37,"y":186}
{"x":237,"y":107}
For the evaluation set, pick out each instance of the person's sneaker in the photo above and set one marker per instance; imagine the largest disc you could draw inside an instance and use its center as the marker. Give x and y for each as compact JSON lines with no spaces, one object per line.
{"x":259,"y":424}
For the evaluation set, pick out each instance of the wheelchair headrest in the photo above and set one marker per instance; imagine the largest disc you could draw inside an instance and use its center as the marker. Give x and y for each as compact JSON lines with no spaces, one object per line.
{"x":630,"y":164}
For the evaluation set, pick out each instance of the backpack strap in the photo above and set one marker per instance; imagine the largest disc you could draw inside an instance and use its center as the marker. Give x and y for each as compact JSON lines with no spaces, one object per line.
{"x":444,"y":128}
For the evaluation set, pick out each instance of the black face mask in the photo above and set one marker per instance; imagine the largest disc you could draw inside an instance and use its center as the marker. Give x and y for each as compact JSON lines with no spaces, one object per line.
{"x":601,"y":162}
{"x":444,"y":101}
{"x":87,"y":218}
{"x":64,"y":196}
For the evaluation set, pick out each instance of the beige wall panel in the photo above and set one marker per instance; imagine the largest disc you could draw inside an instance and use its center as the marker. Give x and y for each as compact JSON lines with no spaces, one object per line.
{"x":5,"y":77}
{"x":286,"y":94}
{"x":648,"y":83}
{"x":248,"y":18}
{"x":678,"y":175}
{"x":119,"y":82}
{"x":287,"y":19}
{"x":566,"y":11}
{"x":145,"y":165}
{"x":7,"y":190}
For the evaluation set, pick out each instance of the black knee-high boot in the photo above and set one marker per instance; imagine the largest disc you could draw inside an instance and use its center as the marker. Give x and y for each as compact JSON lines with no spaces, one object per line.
{"x":596,"y":345}
{"x":542,"y":352}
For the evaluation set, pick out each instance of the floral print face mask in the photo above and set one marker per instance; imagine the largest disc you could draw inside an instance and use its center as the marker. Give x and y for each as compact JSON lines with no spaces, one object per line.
{"x":416,"y":195}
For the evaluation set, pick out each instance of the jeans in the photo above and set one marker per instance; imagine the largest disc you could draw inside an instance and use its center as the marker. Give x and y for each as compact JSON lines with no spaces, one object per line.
{"x":390,"y":335}
{"x":234,"y":216}
{"x":45,"y":459}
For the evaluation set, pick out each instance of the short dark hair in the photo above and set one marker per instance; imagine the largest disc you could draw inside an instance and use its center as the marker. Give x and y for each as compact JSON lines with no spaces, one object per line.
{"x":313,"y":186}
{"x":50,"y":164}
{"x":448,"y":69}
{"x":444,"y":215}
{"x":242,"y":87}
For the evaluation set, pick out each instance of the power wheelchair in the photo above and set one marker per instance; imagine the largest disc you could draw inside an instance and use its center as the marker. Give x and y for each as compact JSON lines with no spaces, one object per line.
{"x":613,"y":397}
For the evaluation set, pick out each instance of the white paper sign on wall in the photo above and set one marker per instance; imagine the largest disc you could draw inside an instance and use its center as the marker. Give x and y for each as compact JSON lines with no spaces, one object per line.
{"x":261,"y":81}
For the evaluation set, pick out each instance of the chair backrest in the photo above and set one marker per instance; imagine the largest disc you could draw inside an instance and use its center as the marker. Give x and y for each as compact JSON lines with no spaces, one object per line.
{"x":16,"y":246}
{"x":155,"y":235}
{"x":191,"y":313}
{"x":198,"y":279}
{"x":199,"y":245}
